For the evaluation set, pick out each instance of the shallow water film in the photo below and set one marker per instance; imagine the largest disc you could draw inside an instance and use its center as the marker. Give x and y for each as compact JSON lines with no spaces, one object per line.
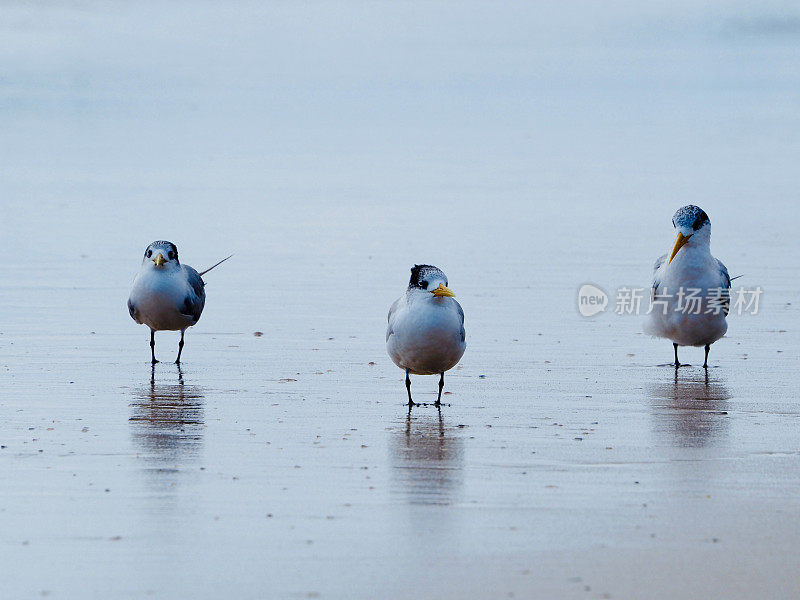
{"x":527,"y":149}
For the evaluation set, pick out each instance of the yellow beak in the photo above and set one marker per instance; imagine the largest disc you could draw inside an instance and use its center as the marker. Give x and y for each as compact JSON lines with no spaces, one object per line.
{"x":159,"y":260}
{"x":443,"y":291}
{"x":678,"y":245}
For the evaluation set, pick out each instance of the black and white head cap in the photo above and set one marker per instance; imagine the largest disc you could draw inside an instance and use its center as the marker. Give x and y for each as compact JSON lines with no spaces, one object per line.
{"x":426,"y":277}
{"x":690,"y":219}
{"x":167,"y":250}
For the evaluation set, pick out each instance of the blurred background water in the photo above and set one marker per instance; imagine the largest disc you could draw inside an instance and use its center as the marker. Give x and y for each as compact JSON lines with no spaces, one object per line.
{"x":526,"y":149}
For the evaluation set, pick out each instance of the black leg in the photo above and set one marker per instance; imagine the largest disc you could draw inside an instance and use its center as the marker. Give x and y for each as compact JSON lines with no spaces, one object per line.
{"x":408,"y":387}
{"x":441,"y":385}
{"x":677,"y":364}
{"x":153,"y":346}
{"x":705,"y":362}
{"x":180,"y":349}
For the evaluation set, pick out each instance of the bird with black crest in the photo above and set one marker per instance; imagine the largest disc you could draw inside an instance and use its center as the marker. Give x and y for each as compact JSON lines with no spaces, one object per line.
{"x":690,"y":296}
{"x":167,"y":295}
{"x":425,"y":333}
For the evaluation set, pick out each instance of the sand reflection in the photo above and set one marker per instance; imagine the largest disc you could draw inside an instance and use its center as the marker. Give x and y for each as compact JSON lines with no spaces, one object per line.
{"x":691,"y":409}
{"x":427,"y":460}
{"x":167,"y":419}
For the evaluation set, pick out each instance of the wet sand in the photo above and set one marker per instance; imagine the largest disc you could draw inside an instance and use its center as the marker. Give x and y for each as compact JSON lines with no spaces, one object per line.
{"x":525,"y":153}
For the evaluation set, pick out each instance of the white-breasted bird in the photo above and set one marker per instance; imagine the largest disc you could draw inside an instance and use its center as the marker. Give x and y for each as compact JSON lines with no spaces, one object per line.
{"x":167,"y":295}
{"x":425,"y":335}
{"x":690,"y":297}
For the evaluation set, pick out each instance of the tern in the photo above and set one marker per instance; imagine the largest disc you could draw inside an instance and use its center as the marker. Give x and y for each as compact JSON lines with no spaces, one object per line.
{"x":425,"y":335}
{"x":167,"y":295}
{"x":690,"y":297}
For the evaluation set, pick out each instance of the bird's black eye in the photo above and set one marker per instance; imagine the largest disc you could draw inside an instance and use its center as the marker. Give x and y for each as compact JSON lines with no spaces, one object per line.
{"x":423,"y":285}
{"x":149,"y":253}
{"x":171,"y":255}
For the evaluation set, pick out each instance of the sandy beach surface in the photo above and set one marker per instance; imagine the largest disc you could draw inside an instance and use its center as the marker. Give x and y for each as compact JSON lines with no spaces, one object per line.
{"x":524,"y":149}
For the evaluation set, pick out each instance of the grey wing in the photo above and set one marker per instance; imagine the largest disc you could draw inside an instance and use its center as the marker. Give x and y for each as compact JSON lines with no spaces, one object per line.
{"x":461,"y":314}
{"x":132,"y":310}
{"x":723,"y":272}
{"x":196,"y":298}
{"x":656,"y":277}
{"x":725,"y":286}
{"x":392,"y":310}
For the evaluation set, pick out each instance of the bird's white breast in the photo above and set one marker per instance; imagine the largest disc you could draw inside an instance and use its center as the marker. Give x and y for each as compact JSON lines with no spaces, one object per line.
{"x":693,"y":271}
{"x":425,"y":334}
{"x":158,"y":297}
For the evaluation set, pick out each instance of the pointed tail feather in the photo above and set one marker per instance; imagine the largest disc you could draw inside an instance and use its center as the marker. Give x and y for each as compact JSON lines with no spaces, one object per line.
{"x":214,"y":266}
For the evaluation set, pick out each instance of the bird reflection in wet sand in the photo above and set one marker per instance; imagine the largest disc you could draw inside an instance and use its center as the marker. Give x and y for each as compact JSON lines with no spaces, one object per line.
{"x":427,"y":461}
{"x":167,"y":420}
{"x":691,"y":409}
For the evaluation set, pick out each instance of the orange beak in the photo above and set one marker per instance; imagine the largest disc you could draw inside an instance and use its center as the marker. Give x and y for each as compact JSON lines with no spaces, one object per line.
{"x":443,"y":291}
{"x":679,"y":243}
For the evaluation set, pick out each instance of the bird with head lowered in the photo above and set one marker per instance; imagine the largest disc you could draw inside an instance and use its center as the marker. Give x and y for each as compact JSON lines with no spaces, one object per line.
{"x":690,"y":297}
